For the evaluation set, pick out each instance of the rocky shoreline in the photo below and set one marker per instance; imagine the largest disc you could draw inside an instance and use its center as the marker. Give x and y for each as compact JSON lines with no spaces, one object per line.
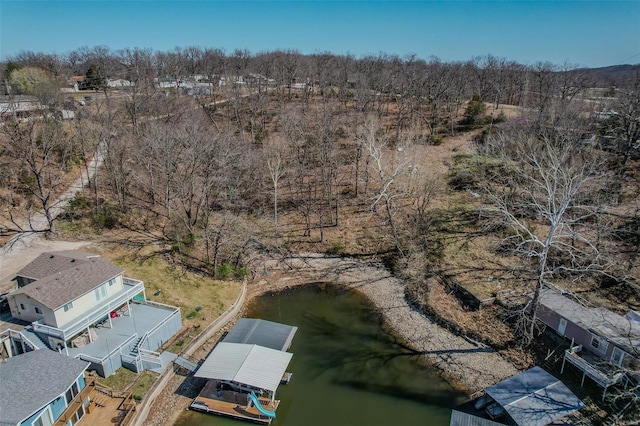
{"x":468,"y":366}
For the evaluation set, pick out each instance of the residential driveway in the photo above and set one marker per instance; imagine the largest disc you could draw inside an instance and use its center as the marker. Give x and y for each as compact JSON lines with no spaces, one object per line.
{"x":24,"y":251}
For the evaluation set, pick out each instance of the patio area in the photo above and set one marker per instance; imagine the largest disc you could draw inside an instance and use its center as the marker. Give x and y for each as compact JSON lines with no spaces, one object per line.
{"x":141,"y":319}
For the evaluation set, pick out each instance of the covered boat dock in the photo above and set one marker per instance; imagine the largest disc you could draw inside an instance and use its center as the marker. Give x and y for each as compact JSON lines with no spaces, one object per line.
{"x":532,"y":398}
{"x":244,"y":371}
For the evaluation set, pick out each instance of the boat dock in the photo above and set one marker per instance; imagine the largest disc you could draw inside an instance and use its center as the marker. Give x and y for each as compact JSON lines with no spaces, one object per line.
{"x":231,"y":404}
{"x":244,"y":370}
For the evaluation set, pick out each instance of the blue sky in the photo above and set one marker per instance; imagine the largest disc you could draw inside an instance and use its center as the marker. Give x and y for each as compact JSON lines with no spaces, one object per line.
{"x":585,"y":33}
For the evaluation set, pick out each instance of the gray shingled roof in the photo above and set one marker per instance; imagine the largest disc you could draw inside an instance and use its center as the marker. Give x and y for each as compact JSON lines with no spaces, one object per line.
{"x":81,"y":275}
{"x":49,"y":263}
{"x":620,"y":330}
{"x":32,"y":380}
{"x":261,"y":332}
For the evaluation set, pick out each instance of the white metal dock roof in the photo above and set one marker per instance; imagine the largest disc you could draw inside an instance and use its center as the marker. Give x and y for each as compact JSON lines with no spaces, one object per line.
{"x":261,"y":332}
{"x":249,"y":364}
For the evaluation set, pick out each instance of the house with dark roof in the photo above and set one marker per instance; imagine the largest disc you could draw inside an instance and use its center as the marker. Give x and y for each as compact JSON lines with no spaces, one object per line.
{"x":80,"y":304}
{"x":42,"y":388}
{"x":604,"y":345}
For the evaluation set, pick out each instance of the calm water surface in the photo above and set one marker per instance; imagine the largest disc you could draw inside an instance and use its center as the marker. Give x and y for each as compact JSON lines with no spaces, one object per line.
{"x":346,"y":369}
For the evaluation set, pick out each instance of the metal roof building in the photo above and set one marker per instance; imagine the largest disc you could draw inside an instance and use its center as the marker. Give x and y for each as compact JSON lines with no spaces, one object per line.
{"x":261,"y":332}
{"x":252,"y":365}
{"x":532,"y":398}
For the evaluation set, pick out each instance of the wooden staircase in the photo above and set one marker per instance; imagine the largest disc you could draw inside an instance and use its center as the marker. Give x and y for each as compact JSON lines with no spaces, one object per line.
{"x":99,"y":399}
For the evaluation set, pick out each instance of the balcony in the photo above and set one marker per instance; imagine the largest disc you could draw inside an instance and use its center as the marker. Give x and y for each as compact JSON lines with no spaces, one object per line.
{"x":597,"y":369}
{"x":131,"y":289}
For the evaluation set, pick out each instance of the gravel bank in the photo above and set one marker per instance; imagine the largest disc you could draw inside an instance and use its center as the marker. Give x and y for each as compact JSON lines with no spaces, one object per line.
{"x":465,"y":364}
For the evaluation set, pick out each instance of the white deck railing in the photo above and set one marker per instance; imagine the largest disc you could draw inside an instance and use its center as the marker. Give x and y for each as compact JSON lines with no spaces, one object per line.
{"x":17,"y":335}
{"x":102,"y":360}
{"x":132,"y":288}
{"x":602,"y":378}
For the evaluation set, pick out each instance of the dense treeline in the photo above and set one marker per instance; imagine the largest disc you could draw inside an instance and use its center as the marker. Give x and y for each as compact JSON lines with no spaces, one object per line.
{"x":200,"y":143}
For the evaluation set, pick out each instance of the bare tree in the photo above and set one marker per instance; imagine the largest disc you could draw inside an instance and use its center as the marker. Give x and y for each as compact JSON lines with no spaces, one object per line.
{"x":389,"y":163}
{"x":43,"y":156}
{"x":624,"y":122}
{"x":275,"y":154}
{"x":551,"y":181}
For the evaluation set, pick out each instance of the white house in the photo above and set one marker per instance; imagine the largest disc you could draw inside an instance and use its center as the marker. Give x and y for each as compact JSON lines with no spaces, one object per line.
{"x":80,"y":304}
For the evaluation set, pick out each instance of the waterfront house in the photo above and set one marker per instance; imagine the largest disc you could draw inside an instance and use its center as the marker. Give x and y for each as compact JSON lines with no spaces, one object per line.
{"x":604,"y":345}
{"x":80,"y":304}
{"x":43,"y":388}
{"x":531,"y":398}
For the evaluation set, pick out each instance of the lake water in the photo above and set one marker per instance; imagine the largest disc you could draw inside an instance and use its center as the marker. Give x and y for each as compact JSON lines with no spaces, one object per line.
{"x":347,"y":370}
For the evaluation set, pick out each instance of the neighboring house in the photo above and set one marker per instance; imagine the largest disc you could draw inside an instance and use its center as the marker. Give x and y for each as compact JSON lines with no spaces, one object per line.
{"x":532,"y":398}
{"x":20,"y":104}
{"x":78,"y":82}
{"x":80,"y":304}
{"x":604,"y":344}
{"x":119,"y":83}
{"x":43,"y":388}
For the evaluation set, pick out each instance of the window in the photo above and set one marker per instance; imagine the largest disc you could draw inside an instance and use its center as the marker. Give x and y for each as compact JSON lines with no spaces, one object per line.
{"x":38,"y":310}
{"x":24,"y":308}
{"x":617,"y":356}
{"x":68,"y":307}
{"x":100,"y":292}
{"x":112,"y":281}
{"x":71,"y":393}
{"x":44,"y":419}
{"x":599,"y":344}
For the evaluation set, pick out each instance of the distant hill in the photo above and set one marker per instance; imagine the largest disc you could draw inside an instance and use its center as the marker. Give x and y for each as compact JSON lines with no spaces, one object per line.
{"x":615,"y":75}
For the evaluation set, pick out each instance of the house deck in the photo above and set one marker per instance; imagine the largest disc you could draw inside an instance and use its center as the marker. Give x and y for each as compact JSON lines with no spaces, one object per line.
{"x":604,"y":374}
{"x":140,"y":320}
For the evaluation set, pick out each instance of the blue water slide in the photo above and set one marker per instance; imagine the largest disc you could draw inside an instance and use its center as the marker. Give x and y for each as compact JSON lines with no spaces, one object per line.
{"x":256,"y":402}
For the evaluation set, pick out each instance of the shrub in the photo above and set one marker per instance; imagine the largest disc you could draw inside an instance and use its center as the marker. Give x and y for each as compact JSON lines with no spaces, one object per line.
{"x":228,"y":271}
{"x":435,"y":140}
{"x":104,"y":220}
{"x":335,"y":249}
